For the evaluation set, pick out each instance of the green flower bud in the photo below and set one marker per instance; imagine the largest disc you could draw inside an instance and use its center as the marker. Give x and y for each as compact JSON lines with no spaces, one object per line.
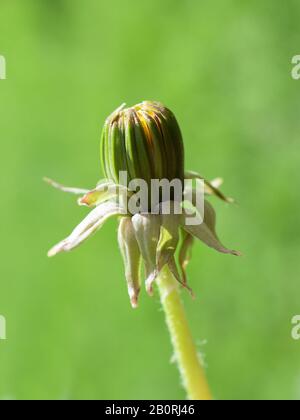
{"x":145,"y":141}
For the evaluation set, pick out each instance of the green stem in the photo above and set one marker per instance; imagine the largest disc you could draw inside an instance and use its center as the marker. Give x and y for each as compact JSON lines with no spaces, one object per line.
{"x":190,"y":367}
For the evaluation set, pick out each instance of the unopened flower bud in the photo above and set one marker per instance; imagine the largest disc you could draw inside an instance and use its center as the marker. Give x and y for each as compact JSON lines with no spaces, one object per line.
{"x":145,"y":141}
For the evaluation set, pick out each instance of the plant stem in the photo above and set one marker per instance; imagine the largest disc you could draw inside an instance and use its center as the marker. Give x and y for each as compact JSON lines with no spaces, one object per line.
{"x":190,"y":367}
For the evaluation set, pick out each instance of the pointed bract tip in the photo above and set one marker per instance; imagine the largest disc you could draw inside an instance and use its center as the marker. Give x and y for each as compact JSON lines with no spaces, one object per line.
{"x":149,"y":290}
{"x":134,"y":297}
{"x":48,"y":180}
{"x":134,"y":302}
{"x":51,"y":253}
{"x":149,"y":283}
{"x":190,"y":290}
{"x":56,"y":249}
{"x":227,"y":251}
{"x":236,"y":253}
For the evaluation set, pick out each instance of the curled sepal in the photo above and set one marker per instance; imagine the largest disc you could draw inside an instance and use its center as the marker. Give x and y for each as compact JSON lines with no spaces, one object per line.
{"x":206,"y":231}
{"x":95,"y":219}
{"x":185,"y":253}
{"x":103,"y":192}
{"x":174,"y":270}
{"x":71,"y":190}
{"x":132,"y":258}
{"x":147,"y":230}
{"x":169,"y":233}
{"x":211,"y":188}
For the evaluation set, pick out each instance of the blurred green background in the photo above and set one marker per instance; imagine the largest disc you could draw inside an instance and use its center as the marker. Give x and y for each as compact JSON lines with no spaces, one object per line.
{"x":224,"y":68}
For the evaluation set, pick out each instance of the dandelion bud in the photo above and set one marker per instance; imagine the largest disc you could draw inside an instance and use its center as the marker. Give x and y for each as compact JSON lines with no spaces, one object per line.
{"x":145,"y":141}
{"x":145,"y":144}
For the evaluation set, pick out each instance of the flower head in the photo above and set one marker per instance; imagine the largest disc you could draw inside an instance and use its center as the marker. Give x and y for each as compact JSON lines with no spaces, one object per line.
{"x":145,"y":143}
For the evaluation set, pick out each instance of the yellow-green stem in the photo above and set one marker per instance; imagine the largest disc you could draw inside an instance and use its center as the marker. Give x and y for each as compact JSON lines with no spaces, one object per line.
{"x":190,"y":367}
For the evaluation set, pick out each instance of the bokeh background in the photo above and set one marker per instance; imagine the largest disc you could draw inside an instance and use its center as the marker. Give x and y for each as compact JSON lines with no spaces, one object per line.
{"x":224,"y":68}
